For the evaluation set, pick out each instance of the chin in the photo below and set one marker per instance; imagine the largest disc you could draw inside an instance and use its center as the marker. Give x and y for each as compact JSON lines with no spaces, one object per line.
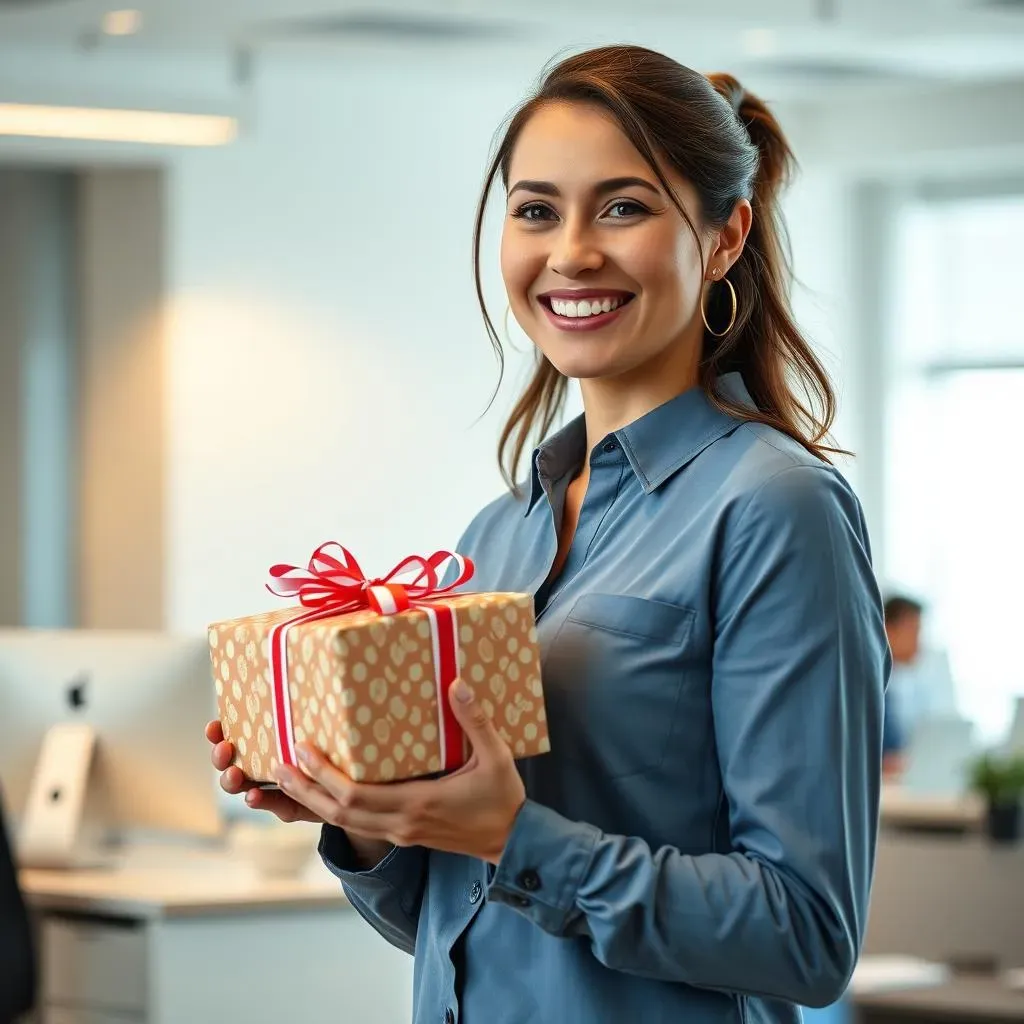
{"x":587,"y":365}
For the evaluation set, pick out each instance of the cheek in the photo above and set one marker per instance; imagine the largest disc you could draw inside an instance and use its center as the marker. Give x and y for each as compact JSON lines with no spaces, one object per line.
{"x":519,"y":268}
{"x":667,"y":268}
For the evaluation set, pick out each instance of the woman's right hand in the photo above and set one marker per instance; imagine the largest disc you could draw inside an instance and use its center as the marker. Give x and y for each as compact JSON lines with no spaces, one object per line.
{"x":233,"y":781}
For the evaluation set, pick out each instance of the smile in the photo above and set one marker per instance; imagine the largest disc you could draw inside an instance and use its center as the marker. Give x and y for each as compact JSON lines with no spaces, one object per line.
{"x":575,"y":311}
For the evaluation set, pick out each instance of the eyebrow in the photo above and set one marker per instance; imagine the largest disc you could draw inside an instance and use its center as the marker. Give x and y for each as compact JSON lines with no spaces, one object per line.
{"x":548,"y":188}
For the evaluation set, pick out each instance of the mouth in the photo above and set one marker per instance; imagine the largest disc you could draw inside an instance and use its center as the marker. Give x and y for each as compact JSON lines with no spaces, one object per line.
{"x":584,"y":310}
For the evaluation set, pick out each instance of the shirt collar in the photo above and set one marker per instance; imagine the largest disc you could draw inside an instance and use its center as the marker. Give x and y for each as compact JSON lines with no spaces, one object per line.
{"x":657,"y":445}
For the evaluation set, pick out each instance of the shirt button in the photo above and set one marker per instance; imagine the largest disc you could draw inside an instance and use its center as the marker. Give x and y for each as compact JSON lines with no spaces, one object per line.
{"x":529,"y":880}
{"x":449,"y":1016}
{"x":475,"y":892}
{"x":610,"y":446}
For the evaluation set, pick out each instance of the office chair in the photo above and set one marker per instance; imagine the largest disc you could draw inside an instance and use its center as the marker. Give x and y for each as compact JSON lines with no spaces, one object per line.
{"x":17,"y":956}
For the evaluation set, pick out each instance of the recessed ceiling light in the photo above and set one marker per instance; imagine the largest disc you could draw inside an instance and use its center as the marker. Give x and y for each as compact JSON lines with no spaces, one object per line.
{"x":760,"y":42}
{"x":122,"y":23}
{"x":145,"y":127}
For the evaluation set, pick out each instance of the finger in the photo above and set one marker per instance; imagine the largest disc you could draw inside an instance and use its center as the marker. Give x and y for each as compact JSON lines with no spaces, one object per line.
{"x":222,"y":756}
{"x":479,"y":729}
{"x":280,"y":805}
{"x":377,"y":799}
{"x":215,"y":732}
{"x":234,"y":781}
{"x":312,"y":796}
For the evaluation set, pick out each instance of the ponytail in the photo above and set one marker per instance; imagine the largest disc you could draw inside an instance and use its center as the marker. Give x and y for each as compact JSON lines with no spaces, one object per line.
{"x":787,"y":382}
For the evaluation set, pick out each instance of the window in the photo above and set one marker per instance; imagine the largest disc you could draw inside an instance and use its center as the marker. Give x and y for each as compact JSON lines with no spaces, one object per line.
{"x":954,"y":461}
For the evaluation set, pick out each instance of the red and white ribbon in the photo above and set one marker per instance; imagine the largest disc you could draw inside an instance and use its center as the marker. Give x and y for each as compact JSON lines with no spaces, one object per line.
{"x":333,"y":584}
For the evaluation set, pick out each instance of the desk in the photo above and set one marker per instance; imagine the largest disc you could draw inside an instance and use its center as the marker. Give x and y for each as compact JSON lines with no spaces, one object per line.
{"x":942,"y":898}
{"x":902,"y":809}
{"x":962,"y":1000}
{"x":192,"y":939}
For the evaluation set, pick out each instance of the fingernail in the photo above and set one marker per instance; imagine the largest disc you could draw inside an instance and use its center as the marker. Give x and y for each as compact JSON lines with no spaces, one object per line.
{"x":463,"y":693}
{"x":305,"y":755}
{"x":250,"y":797}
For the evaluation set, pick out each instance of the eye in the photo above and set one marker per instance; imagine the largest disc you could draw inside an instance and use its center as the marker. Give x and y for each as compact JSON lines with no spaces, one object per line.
{"x":534,"y":212}
{"x":626,"y":208}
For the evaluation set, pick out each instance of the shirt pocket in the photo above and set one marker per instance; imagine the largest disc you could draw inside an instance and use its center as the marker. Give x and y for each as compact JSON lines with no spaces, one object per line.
{"x":613,"y":677}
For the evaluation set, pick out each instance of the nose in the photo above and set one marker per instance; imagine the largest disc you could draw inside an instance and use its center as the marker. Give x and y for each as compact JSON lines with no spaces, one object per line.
{"x":574,"y":251}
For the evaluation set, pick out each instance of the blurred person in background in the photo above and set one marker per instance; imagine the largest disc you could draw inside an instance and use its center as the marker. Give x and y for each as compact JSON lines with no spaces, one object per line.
{"x":903,"y":628}
{"x":921,"y":685}
{"x":903,"y":633}
{"x":698,"y":844}
{"x":17,"y":963}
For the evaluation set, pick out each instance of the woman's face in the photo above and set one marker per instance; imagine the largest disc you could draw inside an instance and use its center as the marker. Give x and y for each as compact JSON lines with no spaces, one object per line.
{"x":602,"y":271}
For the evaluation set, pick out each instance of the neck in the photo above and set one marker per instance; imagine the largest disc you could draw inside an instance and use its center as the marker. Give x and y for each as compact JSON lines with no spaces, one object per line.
{"x":610,"y":403}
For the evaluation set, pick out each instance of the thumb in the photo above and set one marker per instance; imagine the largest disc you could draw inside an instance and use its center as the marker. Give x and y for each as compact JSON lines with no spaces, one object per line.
{"x":469,"y":712}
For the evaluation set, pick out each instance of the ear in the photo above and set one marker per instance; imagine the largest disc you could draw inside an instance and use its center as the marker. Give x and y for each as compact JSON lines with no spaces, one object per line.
{"x":727,"y":243}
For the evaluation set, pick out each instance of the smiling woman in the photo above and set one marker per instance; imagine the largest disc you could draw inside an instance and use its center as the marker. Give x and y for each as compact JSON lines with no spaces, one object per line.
{"x":643,"y":174}
{"x":698,"y":844}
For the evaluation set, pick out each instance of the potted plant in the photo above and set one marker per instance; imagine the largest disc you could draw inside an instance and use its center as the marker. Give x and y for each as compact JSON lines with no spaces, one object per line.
{"x":1000,"y":781}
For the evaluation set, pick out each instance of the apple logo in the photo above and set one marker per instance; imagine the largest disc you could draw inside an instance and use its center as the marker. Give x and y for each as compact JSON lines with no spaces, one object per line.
{"x":76,"y":692}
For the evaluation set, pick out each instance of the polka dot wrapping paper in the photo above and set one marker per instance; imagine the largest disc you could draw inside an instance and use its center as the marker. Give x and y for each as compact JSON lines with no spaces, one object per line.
{"x":362,"y":686}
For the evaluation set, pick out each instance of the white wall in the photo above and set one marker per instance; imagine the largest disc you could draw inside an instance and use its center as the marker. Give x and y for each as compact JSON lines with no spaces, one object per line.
{"x":327,"y":362}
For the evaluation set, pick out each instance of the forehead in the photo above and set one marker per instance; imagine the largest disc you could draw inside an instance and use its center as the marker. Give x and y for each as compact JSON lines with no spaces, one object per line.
{"x":570,"y":143}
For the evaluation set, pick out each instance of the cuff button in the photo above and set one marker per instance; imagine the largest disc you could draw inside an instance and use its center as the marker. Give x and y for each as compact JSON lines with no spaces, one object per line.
{"x":529,"y":880}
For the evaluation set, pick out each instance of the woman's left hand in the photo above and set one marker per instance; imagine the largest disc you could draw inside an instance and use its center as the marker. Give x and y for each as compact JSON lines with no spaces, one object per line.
{"x":470,"y":811}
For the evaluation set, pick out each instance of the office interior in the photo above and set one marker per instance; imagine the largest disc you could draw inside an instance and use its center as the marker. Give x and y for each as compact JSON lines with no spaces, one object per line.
{"x":233,"y":333}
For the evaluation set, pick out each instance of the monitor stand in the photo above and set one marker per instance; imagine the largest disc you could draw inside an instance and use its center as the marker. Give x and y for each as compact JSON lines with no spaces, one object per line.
{"x":53,"y":833}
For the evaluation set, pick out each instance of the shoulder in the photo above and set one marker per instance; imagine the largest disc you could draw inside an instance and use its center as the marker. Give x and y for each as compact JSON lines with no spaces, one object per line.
{"x":773,"y":480}
{"x":501,"y":514}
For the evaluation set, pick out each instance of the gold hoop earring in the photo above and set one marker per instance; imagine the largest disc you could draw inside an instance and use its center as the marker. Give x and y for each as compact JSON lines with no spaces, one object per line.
{"x":732,"y":317}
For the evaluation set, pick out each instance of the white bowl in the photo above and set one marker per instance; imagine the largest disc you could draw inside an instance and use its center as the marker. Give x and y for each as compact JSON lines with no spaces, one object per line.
{"x":276,"y":850}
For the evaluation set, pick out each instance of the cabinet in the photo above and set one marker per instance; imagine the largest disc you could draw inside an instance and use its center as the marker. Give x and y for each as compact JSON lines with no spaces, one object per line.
{"x":58,"y":1015}
{"x":94,"y":964}
{"x":206,"y":945}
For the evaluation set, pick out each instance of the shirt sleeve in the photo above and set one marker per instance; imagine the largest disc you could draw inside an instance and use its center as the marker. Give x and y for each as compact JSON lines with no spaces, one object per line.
{"x":389,"y":895}
{"x":799,"y":670}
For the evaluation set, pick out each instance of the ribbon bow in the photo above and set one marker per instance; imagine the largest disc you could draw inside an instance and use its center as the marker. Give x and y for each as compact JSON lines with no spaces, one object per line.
{"x":334,"y":584}
{"x":333,"y":580}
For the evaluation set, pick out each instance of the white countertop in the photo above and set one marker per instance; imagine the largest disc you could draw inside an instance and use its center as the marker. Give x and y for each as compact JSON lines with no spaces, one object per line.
{"x":176,"y":882}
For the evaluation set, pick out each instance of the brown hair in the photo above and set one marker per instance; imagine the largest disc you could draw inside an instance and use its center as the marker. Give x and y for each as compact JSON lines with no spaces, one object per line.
{"x":729,"y":146}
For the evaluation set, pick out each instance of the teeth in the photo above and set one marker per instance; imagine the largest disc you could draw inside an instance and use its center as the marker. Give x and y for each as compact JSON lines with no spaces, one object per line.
{"x":584,"y":307}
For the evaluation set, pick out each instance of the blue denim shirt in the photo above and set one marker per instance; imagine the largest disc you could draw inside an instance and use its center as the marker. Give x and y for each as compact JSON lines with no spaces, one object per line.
{"x":699,"y":844}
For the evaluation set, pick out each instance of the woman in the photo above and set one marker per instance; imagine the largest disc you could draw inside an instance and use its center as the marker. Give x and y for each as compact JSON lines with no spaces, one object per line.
{"x":699,"y":844}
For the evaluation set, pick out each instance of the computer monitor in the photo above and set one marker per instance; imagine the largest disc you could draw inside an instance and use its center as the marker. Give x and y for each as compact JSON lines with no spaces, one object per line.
{"x":101,"y":740}
{"x":938,"y":756}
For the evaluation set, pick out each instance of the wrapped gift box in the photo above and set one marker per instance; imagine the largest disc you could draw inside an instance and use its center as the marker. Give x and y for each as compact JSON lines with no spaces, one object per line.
{"x":362,"y":687}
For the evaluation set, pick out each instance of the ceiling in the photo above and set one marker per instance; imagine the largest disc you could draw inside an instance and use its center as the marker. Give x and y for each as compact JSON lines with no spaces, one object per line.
{"x":817,"y":42}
